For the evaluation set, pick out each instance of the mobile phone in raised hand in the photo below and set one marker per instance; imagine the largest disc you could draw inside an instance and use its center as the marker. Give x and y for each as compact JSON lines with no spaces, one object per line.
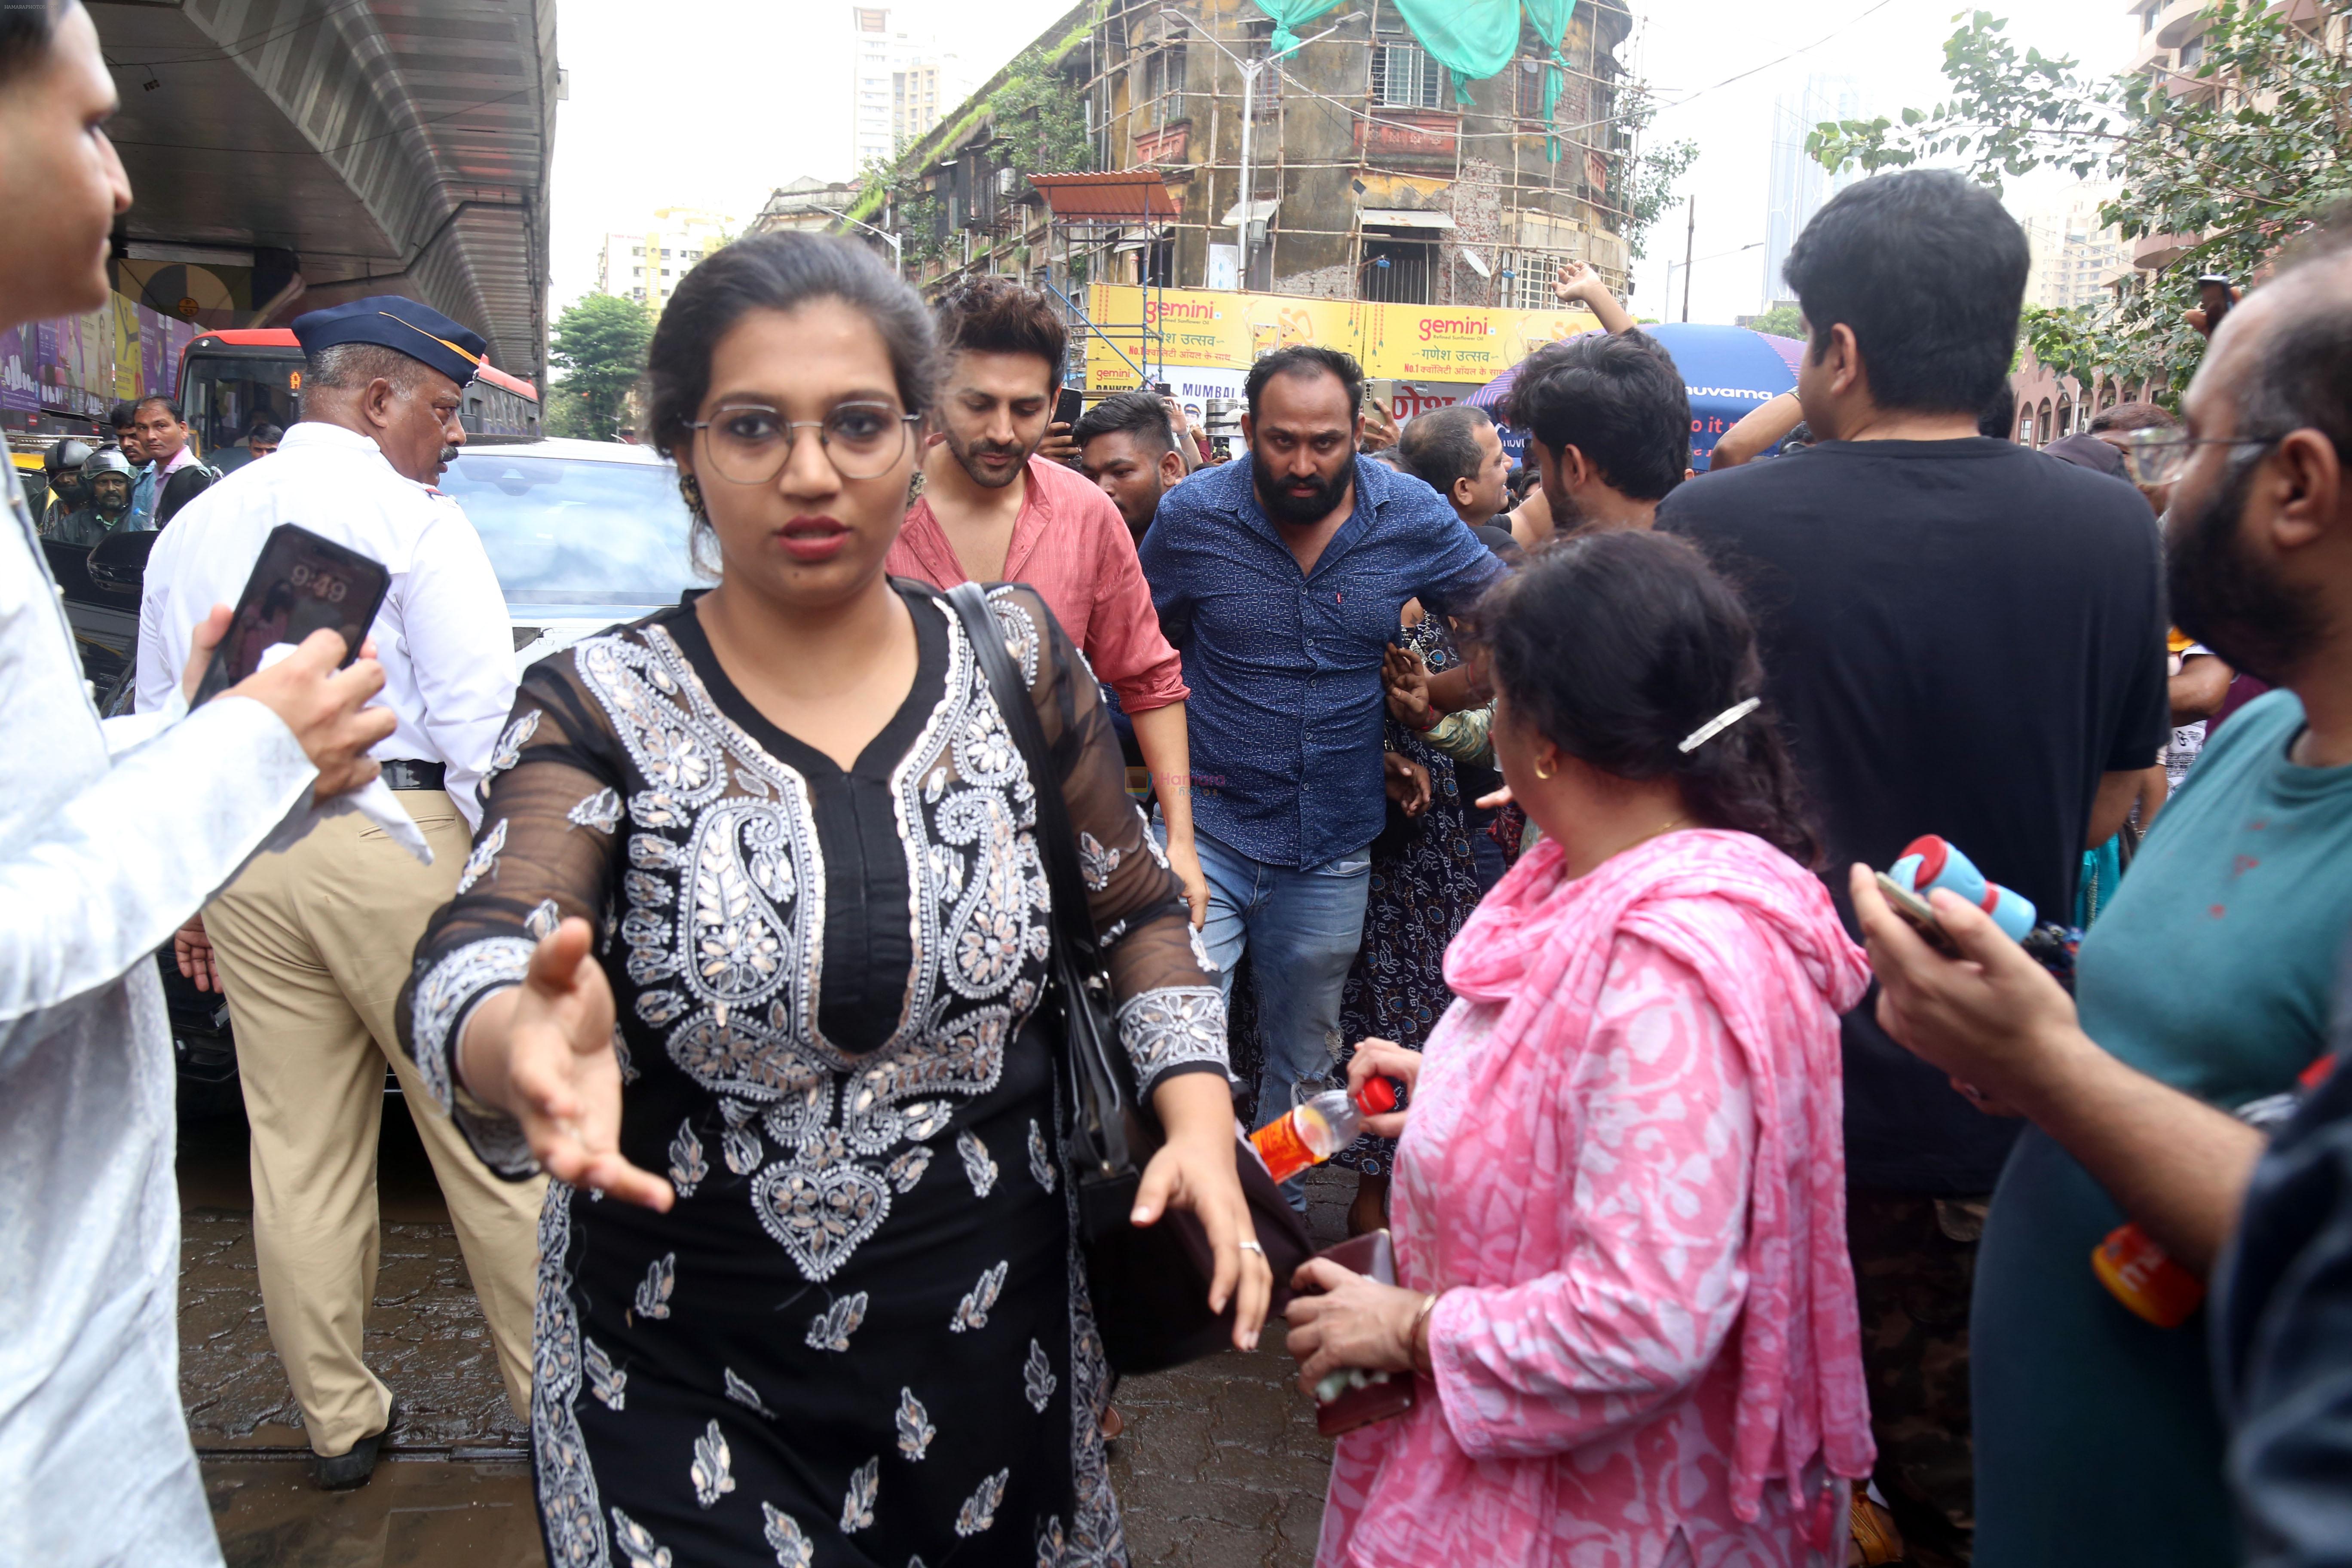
{"x":2213,"y":299}
{"x":1069,"y":406}
{"x":300,"y":584}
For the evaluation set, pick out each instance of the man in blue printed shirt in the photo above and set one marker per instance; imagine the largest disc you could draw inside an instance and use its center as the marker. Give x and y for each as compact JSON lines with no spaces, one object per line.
{"x":1280,"y":578}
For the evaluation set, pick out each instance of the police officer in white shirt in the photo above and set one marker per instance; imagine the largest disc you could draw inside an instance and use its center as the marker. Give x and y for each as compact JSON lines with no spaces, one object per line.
{"x":312,"y":946}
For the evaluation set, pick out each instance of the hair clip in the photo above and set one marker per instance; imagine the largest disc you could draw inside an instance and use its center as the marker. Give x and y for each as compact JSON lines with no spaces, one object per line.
{"x":1719,"y":723}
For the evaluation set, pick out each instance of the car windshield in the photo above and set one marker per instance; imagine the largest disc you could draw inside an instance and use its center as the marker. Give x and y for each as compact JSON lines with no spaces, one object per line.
{"x":573,"y":530}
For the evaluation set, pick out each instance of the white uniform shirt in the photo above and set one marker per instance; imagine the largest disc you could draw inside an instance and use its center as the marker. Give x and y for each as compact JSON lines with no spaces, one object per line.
{"x":110,"y":836}
{"x":443,"y":634}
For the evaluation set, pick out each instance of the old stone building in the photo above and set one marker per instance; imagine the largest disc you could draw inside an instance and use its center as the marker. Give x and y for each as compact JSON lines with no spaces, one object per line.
{"x":1372,"y":173}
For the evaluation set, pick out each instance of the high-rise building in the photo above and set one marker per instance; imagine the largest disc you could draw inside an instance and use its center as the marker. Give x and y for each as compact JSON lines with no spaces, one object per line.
{"x":646,"y":264}
{"x":899,"y":83}
{"x":2074,"y":259}
{"x":1797,"y":185}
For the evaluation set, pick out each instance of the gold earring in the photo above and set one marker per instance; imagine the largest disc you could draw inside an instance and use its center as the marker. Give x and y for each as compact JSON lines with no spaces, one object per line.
{"x":1542,"y":772}
{"x":689,"y":488}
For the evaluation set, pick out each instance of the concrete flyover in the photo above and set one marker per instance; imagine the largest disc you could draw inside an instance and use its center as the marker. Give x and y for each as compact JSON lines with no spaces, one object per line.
{"x":333,"y":148}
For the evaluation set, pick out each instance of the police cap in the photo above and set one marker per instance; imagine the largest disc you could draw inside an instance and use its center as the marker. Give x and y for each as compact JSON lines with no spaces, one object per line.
{"x":390,"y":322}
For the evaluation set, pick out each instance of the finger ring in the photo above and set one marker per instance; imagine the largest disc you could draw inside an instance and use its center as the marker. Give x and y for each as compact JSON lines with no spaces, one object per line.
{"x":1253,"y":1247}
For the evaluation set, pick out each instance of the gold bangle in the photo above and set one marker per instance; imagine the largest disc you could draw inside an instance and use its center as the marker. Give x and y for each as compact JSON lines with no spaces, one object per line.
{"x":1416,"y":1340}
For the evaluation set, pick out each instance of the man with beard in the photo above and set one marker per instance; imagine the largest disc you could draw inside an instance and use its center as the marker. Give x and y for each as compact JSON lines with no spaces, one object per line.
{"x":312,"y":946}
{"x":1282,"y":579}
{"x":1607,"y":423}
{"x":1960,"y":637}
{"x":992,"y":510}
{"x":106,"y":480}
{"x":2203,"y":989}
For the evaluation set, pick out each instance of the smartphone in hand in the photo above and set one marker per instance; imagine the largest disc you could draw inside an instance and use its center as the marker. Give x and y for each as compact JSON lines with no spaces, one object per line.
{"x":2213,"y":299}
{"x":1069,"y":406}
{"x":1919,"y":914}
{"x":1349,"y":1397}
{"x":300,"y":584}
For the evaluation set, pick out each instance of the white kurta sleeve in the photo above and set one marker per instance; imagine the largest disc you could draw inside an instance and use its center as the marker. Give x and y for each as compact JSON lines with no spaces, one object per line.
{"x":96,"y":887}
{"x":461,"y":650}
{"x":163,"y":627}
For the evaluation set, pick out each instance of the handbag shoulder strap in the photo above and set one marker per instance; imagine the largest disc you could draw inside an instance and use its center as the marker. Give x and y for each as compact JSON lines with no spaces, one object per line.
{"x":1058,"y":837}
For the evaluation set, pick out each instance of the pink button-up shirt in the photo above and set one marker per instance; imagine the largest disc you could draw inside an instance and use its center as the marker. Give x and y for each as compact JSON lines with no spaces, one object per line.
{"x":1624,"y":1168}
{"x":1071,"y":545}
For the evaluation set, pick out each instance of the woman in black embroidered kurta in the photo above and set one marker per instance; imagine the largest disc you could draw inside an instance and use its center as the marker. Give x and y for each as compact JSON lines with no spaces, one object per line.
{"x":860,"y":1335}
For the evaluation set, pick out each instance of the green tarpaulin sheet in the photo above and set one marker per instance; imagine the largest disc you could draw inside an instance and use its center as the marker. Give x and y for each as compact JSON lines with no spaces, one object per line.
{"x":1474,"y":39}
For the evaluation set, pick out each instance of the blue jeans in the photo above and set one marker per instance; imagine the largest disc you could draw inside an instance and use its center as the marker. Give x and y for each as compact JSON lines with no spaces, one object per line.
{"x":1301,"y":929}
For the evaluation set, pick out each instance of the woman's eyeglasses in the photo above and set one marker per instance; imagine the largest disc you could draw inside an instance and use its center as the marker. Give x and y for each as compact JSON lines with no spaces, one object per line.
{"x":749,"y":443}
{"x":2158,"y":457}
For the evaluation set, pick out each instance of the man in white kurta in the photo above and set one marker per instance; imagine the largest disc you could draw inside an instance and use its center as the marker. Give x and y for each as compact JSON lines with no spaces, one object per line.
{"x":113,"y":835}
{"x":312,"y":946}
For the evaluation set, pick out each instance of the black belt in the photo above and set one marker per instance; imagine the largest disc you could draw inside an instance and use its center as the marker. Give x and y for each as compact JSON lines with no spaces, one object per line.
{"x":402,"y":772}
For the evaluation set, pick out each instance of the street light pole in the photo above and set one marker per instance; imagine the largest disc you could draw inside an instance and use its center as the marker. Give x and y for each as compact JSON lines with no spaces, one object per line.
{"x":1690,"y":243}
{"x":1249,"y":121}
{"x":1249,"y":69}
{"x":898,"y":250}
{"x":1687,"y":265}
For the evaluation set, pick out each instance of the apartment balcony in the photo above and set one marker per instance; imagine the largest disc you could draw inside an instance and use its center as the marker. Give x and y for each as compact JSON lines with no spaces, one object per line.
{"x":2172,"y":24}
{"x":2150,"y":251}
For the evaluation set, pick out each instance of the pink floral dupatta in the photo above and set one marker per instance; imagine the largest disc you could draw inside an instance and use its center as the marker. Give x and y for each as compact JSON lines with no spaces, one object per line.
{"x":1540,"y":949}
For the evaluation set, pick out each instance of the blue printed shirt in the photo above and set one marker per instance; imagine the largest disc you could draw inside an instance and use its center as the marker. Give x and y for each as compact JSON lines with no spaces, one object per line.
{"x":1285,"y":713}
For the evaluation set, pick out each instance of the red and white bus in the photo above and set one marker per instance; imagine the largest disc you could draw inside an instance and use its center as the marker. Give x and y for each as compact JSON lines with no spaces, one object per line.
{"x":231,"y":380}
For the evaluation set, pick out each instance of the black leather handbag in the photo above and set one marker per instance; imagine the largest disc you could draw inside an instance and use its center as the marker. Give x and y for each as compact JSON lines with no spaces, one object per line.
{"x":1149,"y":1286}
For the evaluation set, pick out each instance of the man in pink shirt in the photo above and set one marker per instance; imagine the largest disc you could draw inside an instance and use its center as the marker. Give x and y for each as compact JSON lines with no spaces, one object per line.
{"x":992,"y":510}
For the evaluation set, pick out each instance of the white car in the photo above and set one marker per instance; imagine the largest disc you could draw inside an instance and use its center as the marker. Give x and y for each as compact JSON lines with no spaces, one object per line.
{"x":583,"y":535}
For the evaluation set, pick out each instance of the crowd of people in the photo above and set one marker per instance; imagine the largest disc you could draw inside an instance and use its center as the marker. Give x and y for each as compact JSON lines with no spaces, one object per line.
{"x":1737,"y":1215}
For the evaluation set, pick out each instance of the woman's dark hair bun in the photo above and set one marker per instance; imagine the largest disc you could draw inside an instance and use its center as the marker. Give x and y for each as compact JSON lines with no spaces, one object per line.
{"x":1617,"y":647}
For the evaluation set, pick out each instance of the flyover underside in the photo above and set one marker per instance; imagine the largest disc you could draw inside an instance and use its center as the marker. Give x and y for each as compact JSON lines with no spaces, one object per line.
{"x":392,"y":146}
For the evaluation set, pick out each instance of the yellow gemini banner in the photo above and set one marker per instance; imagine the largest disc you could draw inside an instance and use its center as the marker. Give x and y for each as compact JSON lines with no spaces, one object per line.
{"x":1200,"y":328}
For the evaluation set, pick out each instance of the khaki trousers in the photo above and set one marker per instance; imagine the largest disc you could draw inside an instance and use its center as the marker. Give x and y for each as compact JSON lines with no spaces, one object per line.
{"x":313,"y":946}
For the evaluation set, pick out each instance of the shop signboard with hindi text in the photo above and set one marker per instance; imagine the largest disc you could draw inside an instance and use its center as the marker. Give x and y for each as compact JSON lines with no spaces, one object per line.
{"x":1218,"y":329}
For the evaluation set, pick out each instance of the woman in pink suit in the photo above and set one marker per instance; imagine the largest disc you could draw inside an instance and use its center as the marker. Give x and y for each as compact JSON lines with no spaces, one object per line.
{"x":1619,"y":1209}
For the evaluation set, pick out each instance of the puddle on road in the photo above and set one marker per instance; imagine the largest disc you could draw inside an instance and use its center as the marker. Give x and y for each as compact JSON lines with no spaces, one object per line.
{"x":416,"y":1512}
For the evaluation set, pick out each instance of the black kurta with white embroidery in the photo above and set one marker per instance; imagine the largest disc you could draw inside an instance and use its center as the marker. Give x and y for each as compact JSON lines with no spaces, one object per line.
{"x":861,"y":1336}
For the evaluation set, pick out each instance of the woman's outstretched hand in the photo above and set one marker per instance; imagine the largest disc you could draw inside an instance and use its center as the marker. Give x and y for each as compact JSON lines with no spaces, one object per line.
{"x":1194,"y":1170}
{"x":542,"y":1053}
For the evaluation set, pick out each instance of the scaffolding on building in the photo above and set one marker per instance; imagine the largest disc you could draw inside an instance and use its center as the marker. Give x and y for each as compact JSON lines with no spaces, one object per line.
{"x":1090,"y":217}
{"x":1359,"y":158}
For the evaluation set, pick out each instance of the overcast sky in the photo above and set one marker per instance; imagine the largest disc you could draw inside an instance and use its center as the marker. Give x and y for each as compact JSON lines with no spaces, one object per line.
{"x":724,"y":100}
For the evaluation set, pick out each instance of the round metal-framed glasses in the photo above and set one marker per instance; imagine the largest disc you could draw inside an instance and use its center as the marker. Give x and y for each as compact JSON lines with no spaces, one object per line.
{"x":2158,"y":457}
{"x":749,"y":443}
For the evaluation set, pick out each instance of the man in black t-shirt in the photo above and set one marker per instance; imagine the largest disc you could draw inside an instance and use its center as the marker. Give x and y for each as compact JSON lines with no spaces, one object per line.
{"x":1960,"y":637}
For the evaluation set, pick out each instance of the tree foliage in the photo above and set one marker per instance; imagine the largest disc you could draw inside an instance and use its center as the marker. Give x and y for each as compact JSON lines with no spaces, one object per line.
{"x":1038,"y":126}
{"x":1781,"y":321}
{"x":1646,"y":179}
{"x":1040,"y":122}
{"x":600,"y":344}
{"x":2236,"y":154}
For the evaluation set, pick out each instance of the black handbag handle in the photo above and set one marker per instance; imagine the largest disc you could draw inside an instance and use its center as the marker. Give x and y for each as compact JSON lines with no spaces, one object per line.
{"x":1100,"y":1103}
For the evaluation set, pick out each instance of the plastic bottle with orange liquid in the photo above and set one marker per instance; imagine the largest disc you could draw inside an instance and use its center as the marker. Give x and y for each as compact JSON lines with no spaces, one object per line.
{"x":1316,"y":1129}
